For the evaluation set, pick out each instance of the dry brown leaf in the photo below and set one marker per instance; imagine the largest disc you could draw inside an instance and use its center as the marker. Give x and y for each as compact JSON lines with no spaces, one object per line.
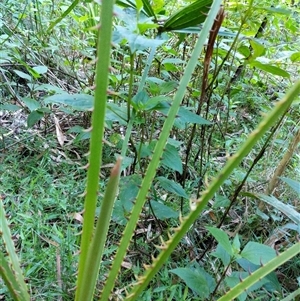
{"x":76,"y":216}
{"x":59,"y":134}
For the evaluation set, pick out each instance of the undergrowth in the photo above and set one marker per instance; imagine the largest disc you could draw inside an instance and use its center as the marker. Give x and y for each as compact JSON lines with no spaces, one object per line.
{"x":44,"y":143}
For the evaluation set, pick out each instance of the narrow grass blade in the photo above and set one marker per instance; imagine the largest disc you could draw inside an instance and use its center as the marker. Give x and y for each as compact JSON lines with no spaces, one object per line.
{"x":12,"y":274}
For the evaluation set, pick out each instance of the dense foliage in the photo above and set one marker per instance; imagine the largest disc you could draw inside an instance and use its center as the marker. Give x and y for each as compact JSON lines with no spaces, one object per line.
{"x":50,"y":62}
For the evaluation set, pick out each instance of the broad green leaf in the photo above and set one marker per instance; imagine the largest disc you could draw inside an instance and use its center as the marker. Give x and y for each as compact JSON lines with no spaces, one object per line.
{"x":172,"y":187}
{"x":80,"y":102}
{"x":162,"y":211}
{"x":129,"y":187}
{"x":258,"y":253}
{"x":10,"y":107}
{"x":153,"y":102}
{"x":34,"y":117}
{"x":157,"y":5}
{"x":286,"y":209}
{"x":23,"y":75}
{"x":221,"y":201}
{"x":174,"y":61}
{"x":197,"y":280}
{"x":40,"y":69}
{"x":258,"y":49}
{"x":245,"y":51}
{"x":139,"y":101}
{"x":277,"y":10}
{"x":147,"y":11}
{"x":167,"y":87}
{"x":174,"y":142}
{"x":146,"y":26}
{"x":295,"y":57}
{"x":116,"y":113}
{"x":119,"y":213}
{"x":186,"y":116}
{"x":135,"y":41}
{"x":32,"y":104}
{"x":270,"y":69}
{"x":171,"y":158}
{"x":236,"y":245}
{"x":191,"y":15}
{"x":222,"y":238}
{"x":222,"y":254}
{"x":48,"y":88}
{"x":292,"y":183}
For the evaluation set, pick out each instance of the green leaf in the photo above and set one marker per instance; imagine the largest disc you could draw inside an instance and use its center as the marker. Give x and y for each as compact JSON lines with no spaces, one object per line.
{"x":292,"y":183}
{"x":10,"y":107}
{"x":258,"y":49}
{"x":162,"y":211}
{"x":171,"y":158}
{"x":286,"y":209}
{"x":245,"y":51}
{"x":40,"y":69}
{"x":172,"y":187}
{"x":221,"y":201}
{"x":148,"y":9}
{"x":184,"y":116}
{"x":197,"y":280}
{"x":48,"y":88}
{"x":277,"y":10}
{"x":174,"y":61}
{"x":222,"y":254}
{"x":167,"y":87}
{"x":34,"y":117}
{"x":32,"y":104}
{"x":80,"y":102}
{"x":116,"y":113}
{"x":236,"y":245}
{"x":129,"y":187}
{"x":153,"y":102}
{"x":295,"y":57}
{"x":139,"y":101}
{"x":222,"y":238}
{"x":270,"y":69}
{"x":23,"y":75}
{"x":139,"y":5}
{"x":191,"y":15}
{"x":135,"y":41}
{"x":258,"y":253}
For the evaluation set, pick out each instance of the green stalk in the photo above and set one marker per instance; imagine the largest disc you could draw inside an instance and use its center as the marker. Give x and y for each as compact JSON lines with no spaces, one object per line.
{"x":132,"y":55}
{"x":201,"y":203}
{"x":91,"y":268}
{"x":150,"y":173}
{"x":292,"y":296}
{"x":98,"y":121}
